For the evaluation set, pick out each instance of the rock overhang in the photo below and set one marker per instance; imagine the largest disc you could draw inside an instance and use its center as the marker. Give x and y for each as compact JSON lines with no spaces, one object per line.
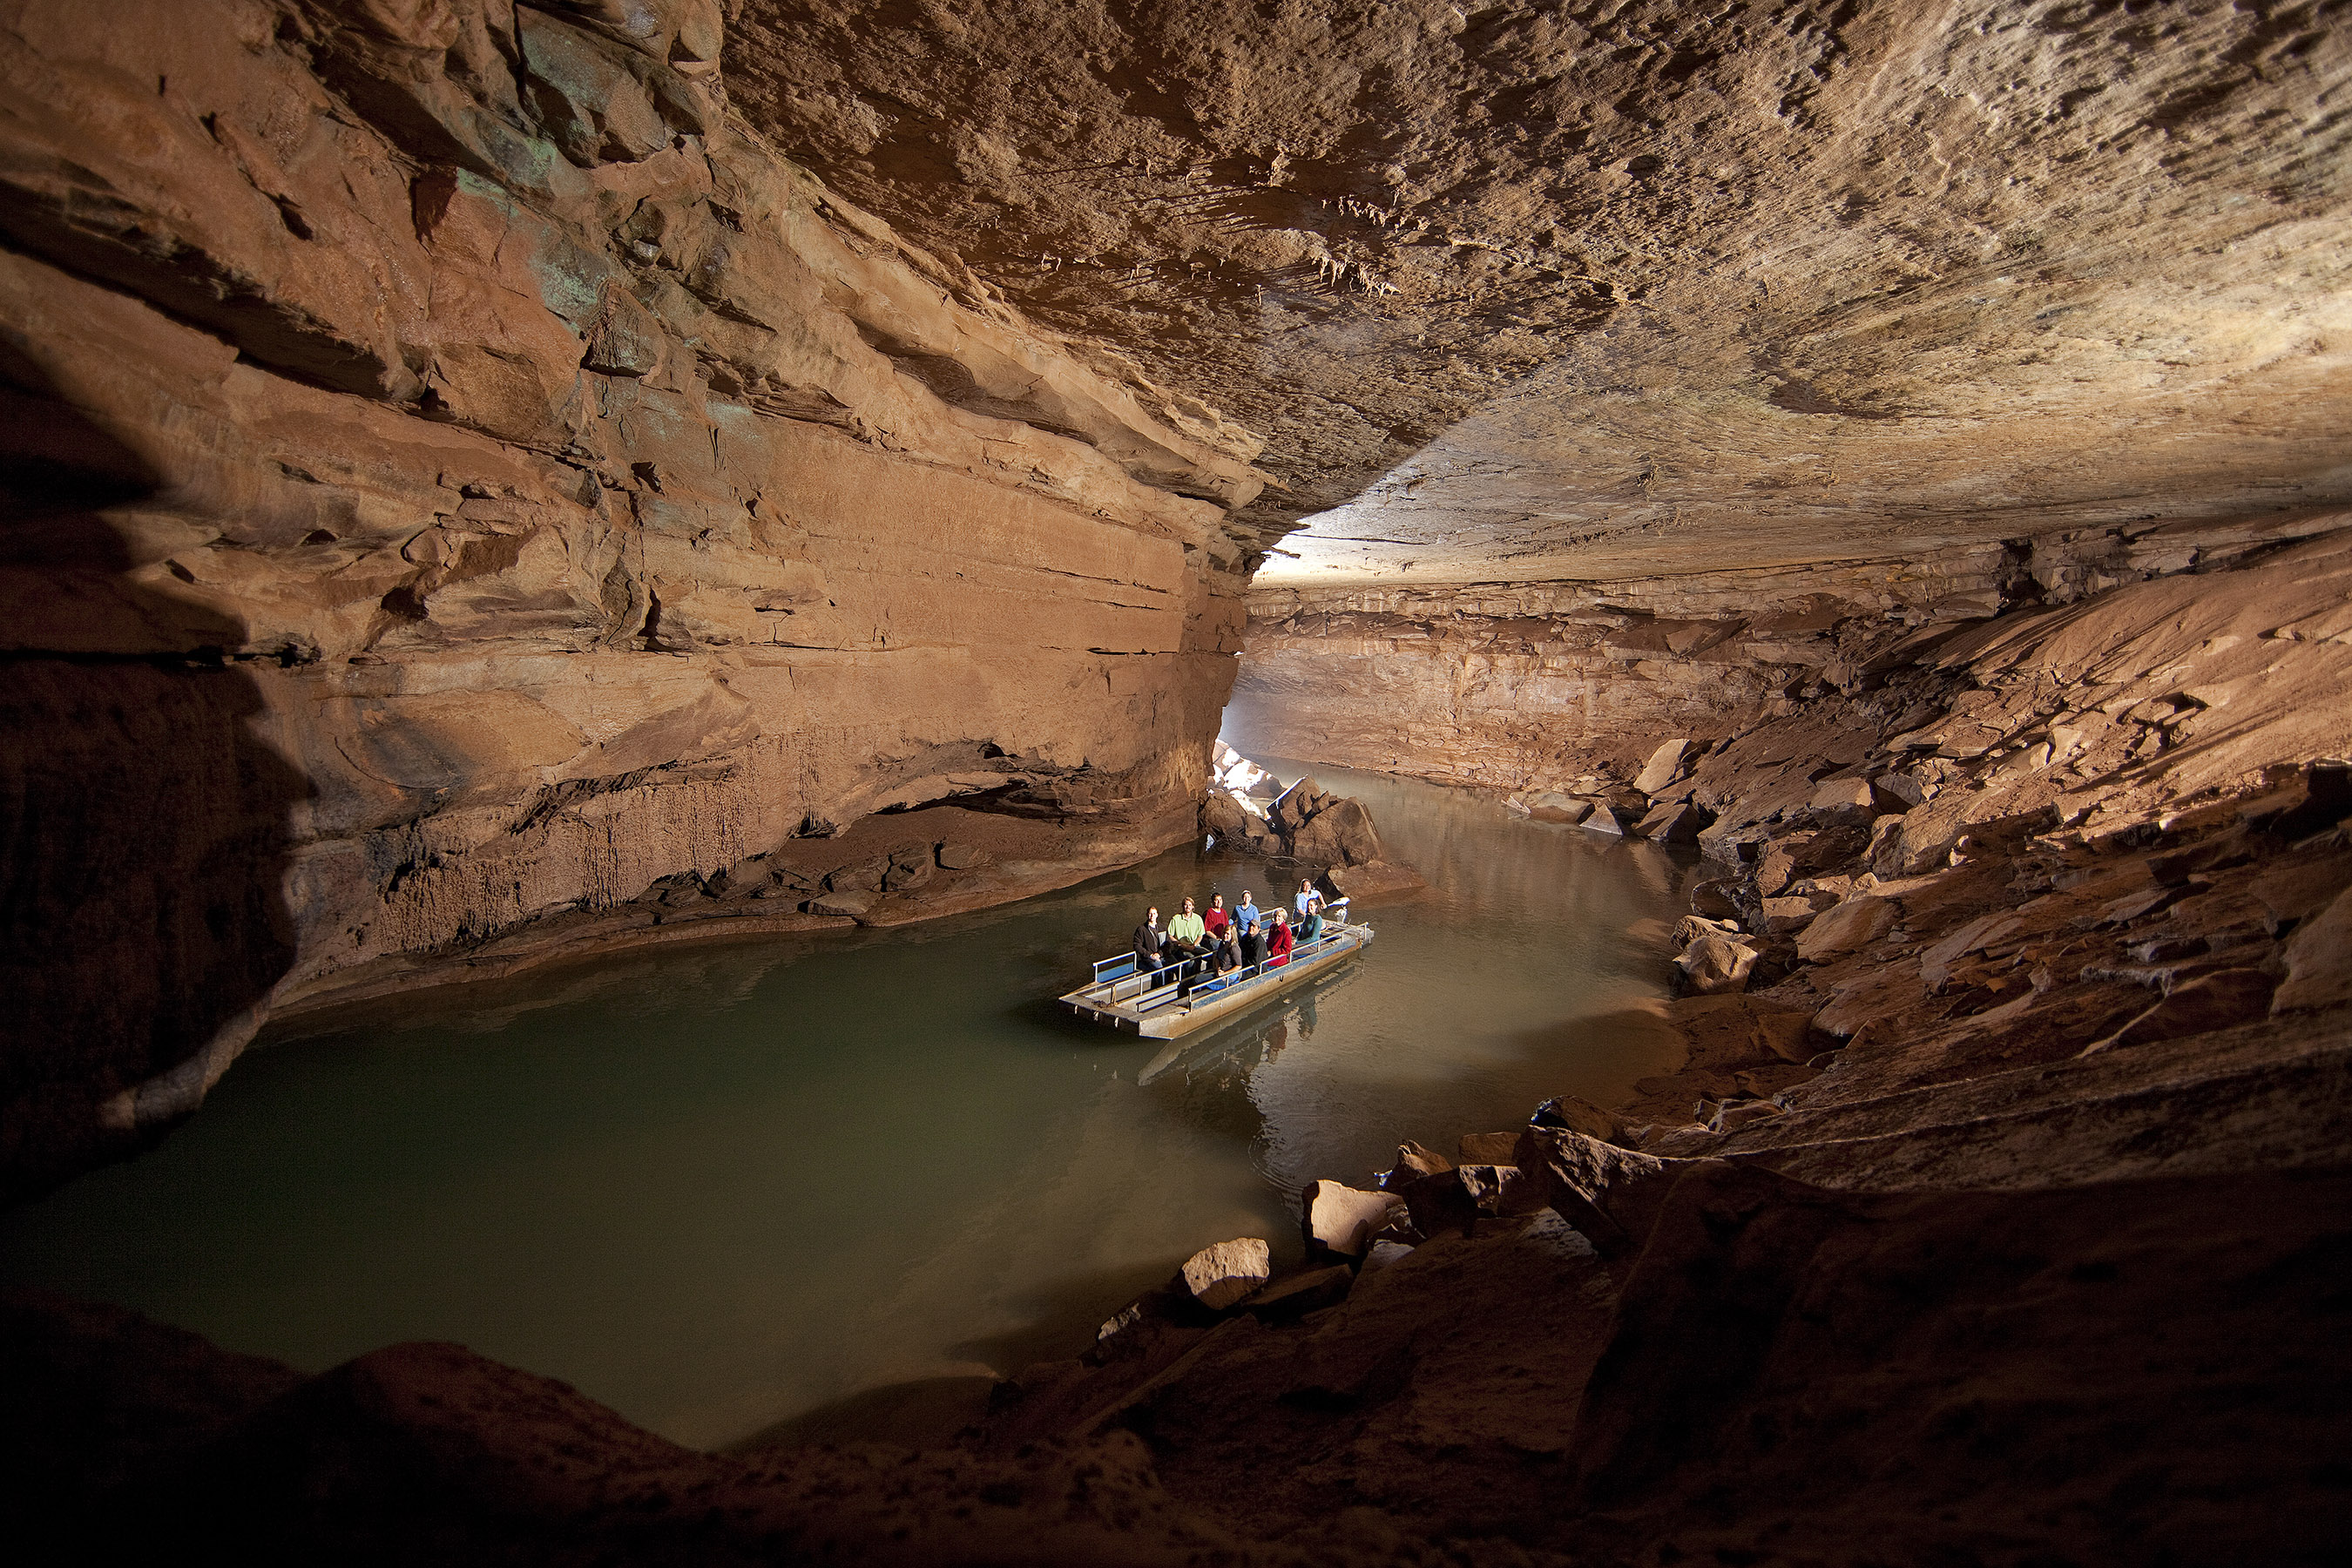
{"x":1521,"y":293}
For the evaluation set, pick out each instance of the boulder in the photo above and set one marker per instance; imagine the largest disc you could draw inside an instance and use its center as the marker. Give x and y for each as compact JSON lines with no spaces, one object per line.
{"x":1219,"y":1276}
{"x":1340,"y":1221}
{"x":1551,"y":805}
{"x":855,"y":904}
{"x":1693,"y":928}
{"x":1660,"y":770}
{"x":1351,"y":824}
{"x":1488,"y":1148}
{"x":1713,"y":965}
{"x":748,"y":877}
{"x":1501,"y":1189}
{"x":1611,"y":1195}
{"x":1286,"y":1301}
{"x":2318,"y":961}
{"x":1789,"y":913}
{"x":1842,"y":797}
{"x":1603,"y":819}
{"x":962,"y":856}
{"x":1672,"y":822}
{"x":1412,"y":1161}
{"x":1294,"y":806}
{"x":1715,"y":899}
{"x":861,"y":877}
{"x":1318,"y":843}
{"x":1576,"y":1115}
{"x":1224,"y":817}
{"x":1896,"y":793}
{"x":1854,"y":924}
{"x":1441,"y":1203}
{"x":1127,"y":1317}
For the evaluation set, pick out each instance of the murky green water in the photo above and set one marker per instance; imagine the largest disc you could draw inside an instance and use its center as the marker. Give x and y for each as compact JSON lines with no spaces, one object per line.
{"x":719,"y":1187}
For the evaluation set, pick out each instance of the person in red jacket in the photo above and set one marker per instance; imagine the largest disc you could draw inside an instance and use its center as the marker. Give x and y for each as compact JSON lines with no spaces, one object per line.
{"x":1278,"y":941}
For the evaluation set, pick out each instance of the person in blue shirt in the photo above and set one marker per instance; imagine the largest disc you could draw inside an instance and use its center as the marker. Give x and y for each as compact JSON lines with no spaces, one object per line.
{"x":1307,"y":896}
{"x":1247,"y":919}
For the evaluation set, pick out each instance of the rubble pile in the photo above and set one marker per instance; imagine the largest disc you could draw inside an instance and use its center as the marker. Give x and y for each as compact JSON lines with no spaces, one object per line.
{"x":1249,"y":811}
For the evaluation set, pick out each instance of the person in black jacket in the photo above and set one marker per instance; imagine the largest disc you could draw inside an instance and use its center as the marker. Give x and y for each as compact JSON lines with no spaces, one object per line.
{"x":1148,"y":945}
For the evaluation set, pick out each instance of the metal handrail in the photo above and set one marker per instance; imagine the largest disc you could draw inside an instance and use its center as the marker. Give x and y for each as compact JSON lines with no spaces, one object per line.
{"x":1342,"y":935}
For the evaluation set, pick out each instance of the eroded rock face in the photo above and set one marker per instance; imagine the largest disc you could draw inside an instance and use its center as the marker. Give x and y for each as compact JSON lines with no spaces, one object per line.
{"x":468,"y":493}
{"x":1545,"y":291}
{"x":1574,"y":687}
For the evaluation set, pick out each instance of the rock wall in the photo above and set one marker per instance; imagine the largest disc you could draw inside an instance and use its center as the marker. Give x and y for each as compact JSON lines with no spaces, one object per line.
{"x":471,"y":496}
{"x":1531,"y":687}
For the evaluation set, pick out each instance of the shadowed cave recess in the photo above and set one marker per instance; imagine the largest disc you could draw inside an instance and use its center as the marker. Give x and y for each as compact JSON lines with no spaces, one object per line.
{"x":490,"y":482}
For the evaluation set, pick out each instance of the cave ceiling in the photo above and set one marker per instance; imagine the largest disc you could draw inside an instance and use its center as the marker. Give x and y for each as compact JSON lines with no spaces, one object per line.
{"x":1557,"y":291}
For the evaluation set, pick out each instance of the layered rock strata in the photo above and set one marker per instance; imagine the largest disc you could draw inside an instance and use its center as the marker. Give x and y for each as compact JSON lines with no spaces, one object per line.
{"x":471,"y":496}
{"x":1570,"y":686}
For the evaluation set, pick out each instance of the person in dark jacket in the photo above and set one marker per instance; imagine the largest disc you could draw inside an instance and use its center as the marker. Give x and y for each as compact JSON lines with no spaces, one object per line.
{"x":1149,"y":944}
{"x":1249,"y":930}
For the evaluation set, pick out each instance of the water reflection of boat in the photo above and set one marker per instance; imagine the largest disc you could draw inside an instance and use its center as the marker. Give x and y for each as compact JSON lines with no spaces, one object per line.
{"x":1161,"y":1008}
{"x":1247,"y":1044}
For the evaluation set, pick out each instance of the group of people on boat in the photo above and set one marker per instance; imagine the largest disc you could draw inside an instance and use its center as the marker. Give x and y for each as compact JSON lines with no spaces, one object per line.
{"x":1197,"y":943}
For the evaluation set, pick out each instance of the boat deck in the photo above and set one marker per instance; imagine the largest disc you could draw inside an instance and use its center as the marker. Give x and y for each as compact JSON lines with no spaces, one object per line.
{"x":1161,"y":1007}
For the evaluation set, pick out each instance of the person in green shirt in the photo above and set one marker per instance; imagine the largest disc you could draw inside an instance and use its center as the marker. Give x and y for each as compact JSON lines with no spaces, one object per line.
{"x":1187,"y":933}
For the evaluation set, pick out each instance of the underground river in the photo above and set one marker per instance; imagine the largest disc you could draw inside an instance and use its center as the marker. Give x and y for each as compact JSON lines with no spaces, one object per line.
{"x":723,"y":1187}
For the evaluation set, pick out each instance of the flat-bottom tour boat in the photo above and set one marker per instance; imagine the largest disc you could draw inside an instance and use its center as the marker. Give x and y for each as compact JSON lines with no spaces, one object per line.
{"x":1175,"y":1001}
